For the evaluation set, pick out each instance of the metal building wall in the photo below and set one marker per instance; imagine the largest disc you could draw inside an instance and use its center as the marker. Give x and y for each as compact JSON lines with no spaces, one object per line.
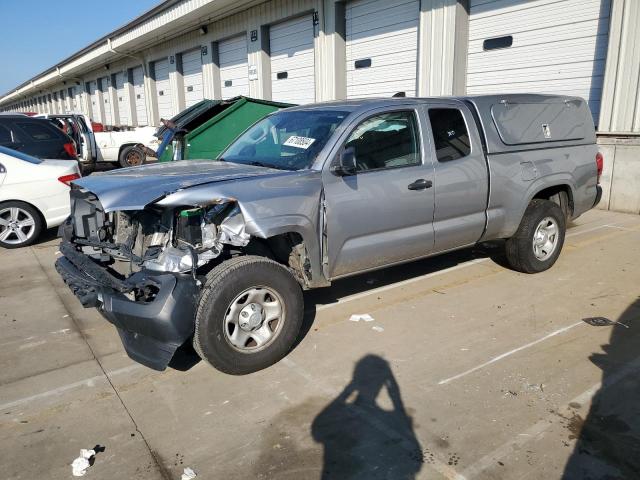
{"x":620,"y":111}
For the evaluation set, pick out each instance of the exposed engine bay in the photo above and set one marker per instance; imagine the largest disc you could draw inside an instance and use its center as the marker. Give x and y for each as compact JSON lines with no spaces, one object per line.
{"x":157,"y":239}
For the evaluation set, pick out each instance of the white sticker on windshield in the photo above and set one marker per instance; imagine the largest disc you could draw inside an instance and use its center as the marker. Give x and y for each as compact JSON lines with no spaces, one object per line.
{"x":299,"y":142}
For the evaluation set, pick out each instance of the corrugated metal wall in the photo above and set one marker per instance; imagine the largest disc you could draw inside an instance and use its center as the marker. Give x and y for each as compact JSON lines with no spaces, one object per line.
{"x":620,"y":111}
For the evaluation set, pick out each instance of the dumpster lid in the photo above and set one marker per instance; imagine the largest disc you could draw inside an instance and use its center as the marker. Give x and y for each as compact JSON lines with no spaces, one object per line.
{"x":194,"y":116}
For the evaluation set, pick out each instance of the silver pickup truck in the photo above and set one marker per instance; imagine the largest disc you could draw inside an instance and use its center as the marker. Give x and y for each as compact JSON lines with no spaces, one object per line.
{"x":217,"y":253}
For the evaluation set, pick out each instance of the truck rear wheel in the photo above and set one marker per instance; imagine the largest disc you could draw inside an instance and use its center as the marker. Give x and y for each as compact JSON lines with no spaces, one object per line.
{"x":132,"y":156}
{"x":249,"y":315}
{"x":537,"y":243}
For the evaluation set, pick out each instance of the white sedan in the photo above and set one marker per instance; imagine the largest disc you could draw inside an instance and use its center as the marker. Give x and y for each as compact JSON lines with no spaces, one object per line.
{"x":34,"y":195}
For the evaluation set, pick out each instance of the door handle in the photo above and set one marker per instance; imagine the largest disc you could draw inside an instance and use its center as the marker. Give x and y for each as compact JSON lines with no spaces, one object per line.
{"x":420,"y":184}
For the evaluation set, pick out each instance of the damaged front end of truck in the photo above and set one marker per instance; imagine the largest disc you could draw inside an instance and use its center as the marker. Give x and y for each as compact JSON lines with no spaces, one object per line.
{"x":143,"y":269}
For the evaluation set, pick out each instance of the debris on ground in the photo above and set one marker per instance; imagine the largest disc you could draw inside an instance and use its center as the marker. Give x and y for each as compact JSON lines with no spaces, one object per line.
{"x":79,"y":465}
{"x":365,"y":317}
{"x":188,"y":474}
{"x":601,"y":322}
{"x":378,"y":329}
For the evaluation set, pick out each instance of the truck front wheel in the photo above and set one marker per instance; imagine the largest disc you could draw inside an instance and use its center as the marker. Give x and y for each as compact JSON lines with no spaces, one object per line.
{"x":537,"y":243}
{"x":249,"y":315}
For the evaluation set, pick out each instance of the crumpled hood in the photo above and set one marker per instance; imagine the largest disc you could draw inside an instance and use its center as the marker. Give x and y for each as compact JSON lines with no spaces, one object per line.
{"x":134,"y":188}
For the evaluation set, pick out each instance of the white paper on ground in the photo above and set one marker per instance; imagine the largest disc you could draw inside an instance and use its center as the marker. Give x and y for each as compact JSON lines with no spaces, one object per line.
{"x":188,"y":474}
{"x":364,"y":317}
{"x":378,"y":329}
{"x":80,"y":464}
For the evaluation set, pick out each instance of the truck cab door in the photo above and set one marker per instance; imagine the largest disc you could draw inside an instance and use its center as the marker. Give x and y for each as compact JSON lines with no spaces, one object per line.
{"x":382,"y":212}
{"x":461,"y":184}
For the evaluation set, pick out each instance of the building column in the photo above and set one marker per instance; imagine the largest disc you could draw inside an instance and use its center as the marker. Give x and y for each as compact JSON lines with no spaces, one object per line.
{"x":442,"y":47}
{"x":131,"y":97}
{"x":259,"y":61}
{"x":176,"y":81}
{"x":211,"y":72}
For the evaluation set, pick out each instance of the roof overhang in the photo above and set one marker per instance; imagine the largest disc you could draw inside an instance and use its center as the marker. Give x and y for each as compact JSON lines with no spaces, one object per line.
{"x":163,"y":22}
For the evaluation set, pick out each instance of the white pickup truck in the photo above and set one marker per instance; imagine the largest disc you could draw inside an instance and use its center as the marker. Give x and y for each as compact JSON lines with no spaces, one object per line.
{"x":125,"y":147}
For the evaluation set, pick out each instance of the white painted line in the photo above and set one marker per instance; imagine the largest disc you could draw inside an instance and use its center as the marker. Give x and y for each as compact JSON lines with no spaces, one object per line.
{"x":87,"y":382}
{"x":391,"y":286}
{"x":509,"y":353}
{"x":508,"y":448}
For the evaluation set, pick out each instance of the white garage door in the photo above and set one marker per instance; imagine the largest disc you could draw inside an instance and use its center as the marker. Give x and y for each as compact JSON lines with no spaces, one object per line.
{"x":192,"y":76}
{"x":105,"y":83}
{"x":541,"y":46}
{"x":382,"y":47}
{"x":138,"y":91}
{"x":123,"y":99}
{"x":234,"y":74}
{"x":163,"y":88}
{"x":292,"y":61}
{"x":95,"y":104}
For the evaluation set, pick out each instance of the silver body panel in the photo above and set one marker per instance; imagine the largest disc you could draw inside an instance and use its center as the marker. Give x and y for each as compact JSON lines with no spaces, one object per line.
{"x":371,"y":219}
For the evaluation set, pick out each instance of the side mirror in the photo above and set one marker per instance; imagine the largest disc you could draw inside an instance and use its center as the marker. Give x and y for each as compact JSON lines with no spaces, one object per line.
{"x":346,"y":163}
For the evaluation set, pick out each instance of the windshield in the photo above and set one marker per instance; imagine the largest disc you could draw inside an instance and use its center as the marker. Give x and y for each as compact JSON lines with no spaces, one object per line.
{"x":285,"y":140}
{"x":19,"y":155}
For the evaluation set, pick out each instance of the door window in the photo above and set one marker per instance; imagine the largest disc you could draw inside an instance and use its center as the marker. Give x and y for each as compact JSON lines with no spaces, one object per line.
{"x":450,"y":134}
{"x":5,"y":135}
{"x":389,"y":140}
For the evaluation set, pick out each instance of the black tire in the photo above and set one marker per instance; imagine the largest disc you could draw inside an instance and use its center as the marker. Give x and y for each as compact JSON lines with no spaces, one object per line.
{"x":132,"y":156}
{"x":25,"y":210}
{"x":224,"y":284}
{"x":519,"y":249}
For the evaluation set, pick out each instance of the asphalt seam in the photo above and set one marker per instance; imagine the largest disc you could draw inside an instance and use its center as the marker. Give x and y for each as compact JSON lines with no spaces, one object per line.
{"x":158,"y":463}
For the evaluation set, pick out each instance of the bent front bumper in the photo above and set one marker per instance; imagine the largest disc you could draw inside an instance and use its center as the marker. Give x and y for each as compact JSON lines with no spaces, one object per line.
{"x":151,"y":331}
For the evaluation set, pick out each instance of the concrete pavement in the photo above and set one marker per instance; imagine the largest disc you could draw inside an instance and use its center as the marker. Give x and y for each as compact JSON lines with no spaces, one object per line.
{"x":469,"y":370}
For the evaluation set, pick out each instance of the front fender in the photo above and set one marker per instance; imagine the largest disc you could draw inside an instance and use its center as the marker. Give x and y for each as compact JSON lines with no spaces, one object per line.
{"x":277,"y":225}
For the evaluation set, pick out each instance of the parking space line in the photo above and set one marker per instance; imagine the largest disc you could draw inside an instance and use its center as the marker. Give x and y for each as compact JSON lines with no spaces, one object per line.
{"x":536,"y":430}
{"x":509,"y":353}
{"x":402,"y":283}
{"x":87,"y":382}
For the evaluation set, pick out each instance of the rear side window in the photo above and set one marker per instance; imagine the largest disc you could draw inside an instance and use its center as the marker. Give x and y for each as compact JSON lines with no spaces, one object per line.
{"x":5,"y":135}
{"x":38,"y":131}
{"x":450,"y":134}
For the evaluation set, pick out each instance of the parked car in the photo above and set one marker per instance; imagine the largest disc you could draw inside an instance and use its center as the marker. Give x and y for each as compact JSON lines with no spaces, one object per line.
{"x":34,"y":195}
{"x":36,"y":137}
{"x":124,"y":147}
{"x":218,"y":253}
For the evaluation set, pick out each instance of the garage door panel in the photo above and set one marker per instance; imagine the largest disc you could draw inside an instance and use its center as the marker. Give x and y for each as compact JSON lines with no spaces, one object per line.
{"x":293,"y":61}
{"x":573,"y":51}
{"x":380,"y":89}
{"x":123,"y":99}
{"x":558,"y":48}
{"x":139,"y":95}
{"x":539,"y":15}
{"x":386,"y":33}
{"x":582,"y":30}
{"x":106,"y":100}
{"x":163,"y":88}
{"x":403,"y":46}
{"x":234,"y":66}
{"x":192,"y":77}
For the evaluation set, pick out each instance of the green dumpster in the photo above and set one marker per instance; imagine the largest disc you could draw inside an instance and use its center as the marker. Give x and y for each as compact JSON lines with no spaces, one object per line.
{"x":211,"y":125}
